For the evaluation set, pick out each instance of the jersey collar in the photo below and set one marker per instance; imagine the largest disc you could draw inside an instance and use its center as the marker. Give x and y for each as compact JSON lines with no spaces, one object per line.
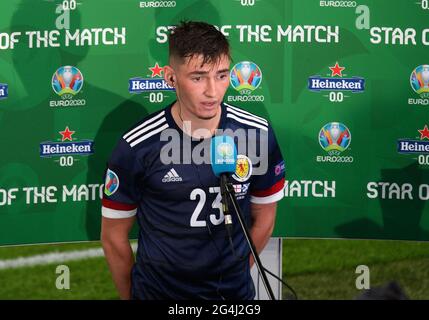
{"x":173,"y":124}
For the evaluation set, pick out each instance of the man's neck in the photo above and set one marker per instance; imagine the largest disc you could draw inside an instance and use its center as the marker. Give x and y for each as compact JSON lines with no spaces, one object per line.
{"x":189,"y":123}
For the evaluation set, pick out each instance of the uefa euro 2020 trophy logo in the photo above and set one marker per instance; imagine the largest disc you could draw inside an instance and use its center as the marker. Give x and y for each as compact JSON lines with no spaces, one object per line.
{"x":245,"y":77}
{"x":420,"y":80}
{"x":67,"y":81}
{"x":334,"y":138}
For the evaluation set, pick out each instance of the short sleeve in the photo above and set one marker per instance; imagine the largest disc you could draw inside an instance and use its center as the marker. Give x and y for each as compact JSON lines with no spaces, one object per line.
{"x":120,"y":198}
{"x":269,"y":187}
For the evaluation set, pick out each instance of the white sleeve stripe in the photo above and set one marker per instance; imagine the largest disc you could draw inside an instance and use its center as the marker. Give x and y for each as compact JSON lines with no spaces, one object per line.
{"x":243,"y":115}
{"x":117,"y":214}
{"x":143,"y":124}
{"x":270,"y":199}
{"x":247,"y":112}
{"x":148,"y":135}
{"x":250,"y":123}
{"x":145,"y":129}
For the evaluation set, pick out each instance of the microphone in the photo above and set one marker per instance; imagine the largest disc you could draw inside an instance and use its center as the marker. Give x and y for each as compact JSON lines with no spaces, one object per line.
{"x":223,"y":160}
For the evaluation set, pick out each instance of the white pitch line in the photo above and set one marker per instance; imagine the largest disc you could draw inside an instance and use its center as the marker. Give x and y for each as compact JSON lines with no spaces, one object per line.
{"x":54,"y":257}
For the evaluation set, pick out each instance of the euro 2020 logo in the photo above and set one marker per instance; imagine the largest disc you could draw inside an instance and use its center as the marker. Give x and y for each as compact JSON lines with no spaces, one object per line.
{"x":245,"y":77}
{"x":225,"y":150}
{"x":67,"y":81}
{"x":334,"y":138}
{"x":112,"y":183}
{"x":420,"y":80}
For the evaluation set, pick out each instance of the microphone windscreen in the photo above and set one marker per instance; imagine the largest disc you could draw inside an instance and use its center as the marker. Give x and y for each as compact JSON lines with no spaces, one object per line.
{"x":223,"y":155}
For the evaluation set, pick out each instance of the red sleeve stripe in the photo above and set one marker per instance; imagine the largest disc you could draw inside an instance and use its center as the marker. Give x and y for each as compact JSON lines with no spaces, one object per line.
{"x":269,"y":192}
{"x":118,"y":205}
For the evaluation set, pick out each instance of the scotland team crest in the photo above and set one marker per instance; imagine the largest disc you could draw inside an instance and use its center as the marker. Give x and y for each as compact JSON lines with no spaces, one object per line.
{"x":243,"y":169}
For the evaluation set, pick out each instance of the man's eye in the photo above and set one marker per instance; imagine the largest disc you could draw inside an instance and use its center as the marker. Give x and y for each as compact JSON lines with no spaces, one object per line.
{"x":196,"y":79}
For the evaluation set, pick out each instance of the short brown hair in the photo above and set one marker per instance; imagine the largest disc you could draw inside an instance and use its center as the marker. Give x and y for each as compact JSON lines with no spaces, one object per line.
{"x":193,"y":38}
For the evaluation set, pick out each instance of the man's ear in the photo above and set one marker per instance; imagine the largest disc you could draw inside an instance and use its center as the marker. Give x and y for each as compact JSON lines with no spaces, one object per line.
{"x":169,"y":76}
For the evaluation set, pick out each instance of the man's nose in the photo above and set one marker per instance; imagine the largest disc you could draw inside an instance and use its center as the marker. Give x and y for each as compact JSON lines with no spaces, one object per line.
{"x":210,"y":88}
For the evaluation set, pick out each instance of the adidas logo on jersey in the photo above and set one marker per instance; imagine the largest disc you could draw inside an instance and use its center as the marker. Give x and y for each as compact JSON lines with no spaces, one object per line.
{"x":172,"y":176}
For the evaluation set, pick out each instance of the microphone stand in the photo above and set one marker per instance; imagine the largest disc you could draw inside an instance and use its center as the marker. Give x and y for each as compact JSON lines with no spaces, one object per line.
{"x":231,"y":193}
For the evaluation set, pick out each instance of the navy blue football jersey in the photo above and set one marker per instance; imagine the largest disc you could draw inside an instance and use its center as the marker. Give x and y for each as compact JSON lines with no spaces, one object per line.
{"x":183,"y":248}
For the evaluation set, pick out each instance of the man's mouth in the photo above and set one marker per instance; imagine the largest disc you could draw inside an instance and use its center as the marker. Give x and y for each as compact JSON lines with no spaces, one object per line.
{"x":208,"y":104}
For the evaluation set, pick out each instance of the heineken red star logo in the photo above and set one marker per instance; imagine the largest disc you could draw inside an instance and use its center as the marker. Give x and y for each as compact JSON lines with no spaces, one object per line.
{"x":66,"y":134}
{"x":336,"y":70}
{"x":156,"y":70}
{"x":424,"y":133}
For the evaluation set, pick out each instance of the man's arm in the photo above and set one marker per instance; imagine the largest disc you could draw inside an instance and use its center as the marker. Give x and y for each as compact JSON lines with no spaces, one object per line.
{"x":263,"y":219}
{"x":118,"y":252}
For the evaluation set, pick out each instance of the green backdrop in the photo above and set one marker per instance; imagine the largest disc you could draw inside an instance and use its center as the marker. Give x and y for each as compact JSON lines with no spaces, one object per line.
{"x":357,"y":69}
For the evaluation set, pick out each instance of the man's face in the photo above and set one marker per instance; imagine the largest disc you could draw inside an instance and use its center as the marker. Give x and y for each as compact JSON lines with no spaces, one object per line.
{"x":200,"y":88}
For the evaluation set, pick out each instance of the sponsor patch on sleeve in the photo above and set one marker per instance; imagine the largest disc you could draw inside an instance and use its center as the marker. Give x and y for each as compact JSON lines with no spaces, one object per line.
{"x":112,"y":183}
{"x":280,"y":168}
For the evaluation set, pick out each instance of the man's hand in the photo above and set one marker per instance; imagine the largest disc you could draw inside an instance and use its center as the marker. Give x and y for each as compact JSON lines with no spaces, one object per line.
{"x":118,"y":252}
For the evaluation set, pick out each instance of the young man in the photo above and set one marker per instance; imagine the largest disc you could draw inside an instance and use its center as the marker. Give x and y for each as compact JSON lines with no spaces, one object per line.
{"x":183,"y":248}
